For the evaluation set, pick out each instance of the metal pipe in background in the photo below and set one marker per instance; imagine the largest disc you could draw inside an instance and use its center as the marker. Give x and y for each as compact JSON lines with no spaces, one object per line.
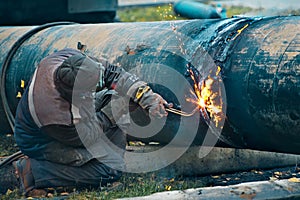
{"x":195,"y":10}
{"x":259,"y":58}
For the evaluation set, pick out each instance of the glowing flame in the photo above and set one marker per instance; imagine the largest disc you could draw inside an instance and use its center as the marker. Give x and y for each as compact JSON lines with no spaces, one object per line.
{"x":208,"y":97}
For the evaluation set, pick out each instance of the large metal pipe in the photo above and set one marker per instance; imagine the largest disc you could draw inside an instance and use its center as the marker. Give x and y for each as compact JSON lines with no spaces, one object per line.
{"x":259,"y":60}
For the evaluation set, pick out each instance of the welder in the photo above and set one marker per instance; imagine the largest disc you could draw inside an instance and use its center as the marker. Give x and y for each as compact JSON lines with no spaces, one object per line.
{"x":64,"y":119}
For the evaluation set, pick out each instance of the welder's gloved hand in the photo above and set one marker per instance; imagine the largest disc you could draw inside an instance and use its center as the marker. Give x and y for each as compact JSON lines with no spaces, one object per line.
{"x":151,"y":101}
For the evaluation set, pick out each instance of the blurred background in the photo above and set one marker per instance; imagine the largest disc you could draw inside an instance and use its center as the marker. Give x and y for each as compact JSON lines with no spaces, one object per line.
{"x":36,"y":12}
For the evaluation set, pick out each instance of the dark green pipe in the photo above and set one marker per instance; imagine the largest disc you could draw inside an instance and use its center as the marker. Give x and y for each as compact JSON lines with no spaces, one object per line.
{"x":259,"y":60}
{"x":195,"y":10}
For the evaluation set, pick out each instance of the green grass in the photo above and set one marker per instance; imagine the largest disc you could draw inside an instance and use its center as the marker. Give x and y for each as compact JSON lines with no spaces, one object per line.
{"x":238,"y":10}
{"x":143,"y":14}
{"x":7,"y":145}
{"x":130,"y":185}
{"x":139,"y":185}
{"x":165,"y":13}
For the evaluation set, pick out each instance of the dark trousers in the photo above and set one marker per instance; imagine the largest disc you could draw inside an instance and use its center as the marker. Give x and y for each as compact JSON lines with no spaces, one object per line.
{"x":92,"y":174}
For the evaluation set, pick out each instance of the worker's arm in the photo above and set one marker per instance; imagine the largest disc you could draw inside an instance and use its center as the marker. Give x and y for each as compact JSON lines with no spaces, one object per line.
{"x":124,"y":83}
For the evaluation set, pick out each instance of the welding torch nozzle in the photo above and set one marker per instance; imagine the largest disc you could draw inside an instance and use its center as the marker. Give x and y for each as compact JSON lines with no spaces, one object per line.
{"x":179,"y":112}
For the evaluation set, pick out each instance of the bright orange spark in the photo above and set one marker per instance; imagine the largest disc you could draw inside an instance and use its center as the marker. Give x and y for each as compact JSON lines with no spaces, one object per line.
{"x":206,"y":96}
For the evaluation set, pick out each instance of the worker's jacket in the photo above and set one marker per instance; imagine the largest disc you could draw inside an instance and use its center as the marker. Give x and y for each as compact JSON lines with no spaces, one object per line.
{"x":44,"y":123}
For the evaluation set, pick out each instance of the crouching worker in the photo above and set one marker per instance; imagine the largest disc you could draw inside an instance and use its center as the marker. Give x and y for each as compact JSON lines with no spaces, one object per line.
{"x":69,"y":137}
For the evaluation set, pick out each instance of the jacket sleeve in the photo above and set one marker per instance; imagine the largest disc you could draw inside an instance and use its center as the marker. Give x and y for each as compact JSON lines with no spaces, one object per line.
{"x":118,"y":79}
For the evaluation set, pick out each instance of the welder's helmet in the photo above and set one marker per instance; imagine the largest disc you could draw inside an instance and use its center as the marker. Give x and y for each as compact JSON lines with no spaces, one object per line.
{"x":77,"y":75}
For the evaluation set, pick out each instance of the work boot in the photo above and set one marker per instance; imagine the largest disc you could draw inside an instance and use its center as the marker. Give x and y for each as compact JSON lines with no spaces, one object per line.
{"x":25,"y":176}
{"x":8,"y":179}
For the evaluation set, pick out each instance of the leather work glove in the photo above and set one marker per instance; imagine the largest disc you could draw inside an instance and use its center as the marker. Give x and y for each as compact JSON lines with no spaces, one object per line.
{"x":151,"y":101}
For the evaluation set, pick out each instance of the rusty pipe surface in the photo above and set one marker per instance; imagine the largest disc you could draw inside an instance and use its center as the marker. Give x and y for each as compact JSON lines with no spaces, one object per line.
{"x":259,"y":60}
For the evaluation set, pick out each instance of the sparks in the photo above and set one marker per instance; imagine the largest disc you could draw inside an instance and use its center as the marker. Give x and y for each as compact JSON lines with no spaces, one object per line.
{"x":207,"y":97}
